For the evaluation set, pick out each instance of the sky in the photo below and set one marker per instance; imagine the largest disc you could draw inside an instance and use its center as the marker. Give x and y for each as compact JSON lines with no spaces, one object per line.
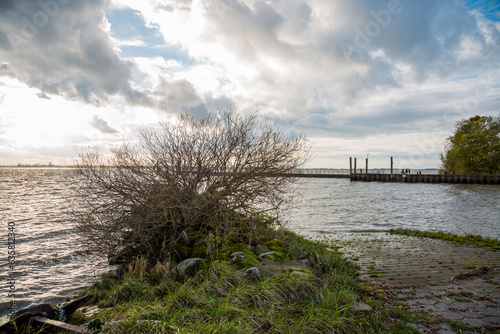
{"x":359,"y":78}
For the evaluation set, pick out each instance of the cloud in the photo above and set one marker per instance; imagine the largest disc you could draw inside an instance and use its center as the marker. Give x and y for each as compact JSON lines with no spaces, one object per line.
{"x":179,"y":96}
{"x":171,"y":6}
{"x":42,"y":95}
{"x":102,"y":125}
{"x":63,"y":47}
{"x":335,"y":70}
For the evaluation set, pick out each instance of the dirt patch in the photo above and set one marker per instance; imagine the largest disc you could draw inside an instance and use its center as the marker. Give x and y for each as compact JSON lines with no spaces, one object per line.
{"x":454,"y":283}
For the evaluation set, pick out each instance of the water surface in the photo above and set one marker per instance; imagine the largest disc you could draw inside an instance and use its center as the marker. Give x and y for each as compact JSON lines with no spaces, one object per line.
{"x":48,"y":268}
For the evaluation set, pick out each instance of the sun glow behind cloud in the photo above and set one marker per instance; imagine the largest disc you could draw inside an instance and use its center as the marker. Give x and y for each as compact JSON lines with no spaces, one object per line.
{"x":121,"y":64}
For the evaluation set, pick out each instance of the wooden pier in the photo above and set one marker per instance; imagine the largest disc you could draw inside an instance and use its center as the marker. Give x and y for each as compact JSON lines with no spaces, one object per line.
{"x":428,"y":178}
{"x":331,"y":173}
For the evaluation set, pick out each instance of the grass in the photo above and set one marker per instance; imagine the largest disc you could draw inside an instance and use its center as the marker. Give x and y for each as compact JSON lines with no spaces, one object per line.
{"x":476,"y":240}
{"x":217,"y":299}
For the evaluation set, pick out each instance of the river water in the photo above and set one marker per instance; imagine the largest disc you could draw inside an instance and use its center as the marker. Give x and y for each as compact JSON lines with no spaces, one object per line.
{"x":48,"y":269}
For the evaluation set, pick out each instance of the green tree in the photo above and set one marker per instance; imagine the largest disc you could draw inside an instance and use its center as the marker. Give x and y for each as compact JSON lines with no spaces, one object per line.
{"x":474,"y":147}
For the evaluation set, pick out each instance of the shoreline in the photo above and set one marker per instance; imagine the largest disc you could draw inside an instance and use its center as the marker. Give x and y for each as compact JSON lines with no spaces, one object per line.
{"x":405,"y":273}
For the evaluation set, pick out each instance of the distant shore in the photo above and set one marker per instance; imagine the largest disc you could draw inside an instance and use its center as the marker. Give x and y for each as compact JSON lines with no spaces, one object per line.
{"x":37,"y":166}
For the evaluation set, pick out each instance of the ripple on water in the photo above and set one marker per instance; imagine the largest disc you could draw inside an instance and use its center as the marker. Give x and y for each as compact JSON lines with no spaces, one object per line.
{"x":49,"y":269}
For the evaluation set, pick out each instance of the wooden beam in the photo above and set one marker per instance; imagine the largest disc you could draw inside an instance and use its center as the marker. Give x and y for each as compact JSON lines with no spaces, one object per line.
{"x":55,"y":325}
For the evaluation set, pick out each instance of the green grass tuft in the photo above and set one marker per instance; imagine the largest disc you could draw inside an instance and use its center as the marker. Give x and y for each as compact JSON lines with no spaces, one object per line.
{"x":476,"y":240}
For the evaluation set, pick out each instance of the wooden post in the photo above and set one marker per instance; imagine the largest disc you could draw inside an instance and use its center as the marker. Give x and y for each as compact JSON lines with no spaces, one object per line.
{"x":366,"y":165}
{"x":392,"y":165}
{"x":350,"y":165}
{"x":355,"y":161}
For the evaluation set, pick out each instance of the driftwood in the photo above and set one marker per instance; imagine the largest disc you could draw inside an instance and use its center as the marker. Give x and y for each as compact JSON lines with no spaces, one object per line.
{"x":76,"y":304}
{"x":56,"y":326}
{"x":42,"y":316}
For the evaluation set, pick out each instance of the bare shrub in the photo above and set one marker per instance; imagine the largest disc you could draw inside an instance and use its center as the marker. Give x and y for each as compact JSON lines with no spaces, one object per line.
{"x":196,"y":184}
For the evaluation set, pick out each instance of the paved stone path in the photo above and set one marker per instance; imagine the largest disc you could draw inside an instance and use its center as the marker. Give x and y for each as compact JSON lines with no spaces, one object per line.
{"x":419,"y":272}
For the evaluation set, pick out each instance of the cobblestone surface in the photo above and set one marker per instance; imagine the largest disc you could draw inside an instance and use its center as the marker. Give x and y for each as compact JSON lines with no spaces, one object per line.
{"x":421,"y":273}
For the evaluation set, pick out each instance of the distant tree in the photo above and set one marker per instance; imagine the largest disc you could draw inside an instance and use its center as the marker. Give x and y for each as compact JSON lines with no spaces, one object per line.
{"x":210,"y":181}
{"x":474,"y":147}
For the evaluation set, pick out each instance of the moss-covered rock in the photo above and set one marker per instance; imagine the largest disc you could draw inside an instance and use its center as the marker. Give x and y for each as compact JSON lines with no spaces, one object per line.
{"x":252,"y":273}
{"x":290,"y":270}
{"x":189,"y":267}
{"x":273,"y":255}
{"x":243,"y":259}
{"x":224,"y":252}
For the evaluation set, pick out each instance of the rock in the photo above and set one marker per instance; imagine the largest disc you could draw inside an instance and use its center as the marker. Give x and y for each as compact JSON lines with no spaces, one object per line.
{"x":304,"y":261}
{"x":273,"y":255}
{"x":38,"y":309}
{"x":243,"y":259}
{"x":252,"y":273}
{"x":269,"y":268}
{"x":299,"y":274}
{"x":188,"y":267}
{"x":237,"y":256}
{"x":361,"y":307}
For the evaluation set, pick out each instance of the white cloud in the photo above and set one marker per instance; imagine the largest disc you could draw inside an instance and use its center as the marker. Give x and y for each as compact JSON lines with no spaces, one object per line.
{"x":393,"y":73}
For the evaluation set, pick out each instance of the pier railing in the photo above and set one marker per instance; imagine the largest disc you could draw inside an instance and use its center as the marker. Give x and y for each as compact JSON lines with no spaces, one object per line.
{"x":322,"y":171}
{"x":428,"y":178}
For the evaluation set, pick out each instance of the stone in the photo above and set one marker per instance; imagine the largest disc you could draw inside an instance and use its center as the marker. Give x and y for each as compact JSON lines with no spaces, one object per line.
{"x":300,"y":274}
{"x":188,"y":267}
{"x":475,"y":322}
{"x":361,"y":307}
{"x":38,"y":309}
{"x":252,"y":273}
{"x":243,"y":259}
{"x":444,"y":328}
{"x":273,"y":255}
{"x":304,"y":261}
{"x":236,"y":256}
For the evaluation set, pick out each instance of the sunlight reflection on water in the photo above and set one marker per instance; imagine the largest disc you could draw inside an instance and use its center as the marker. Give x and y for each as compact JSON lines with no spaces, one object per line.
{"x":48,"y":269}
{"x":341,"y":206}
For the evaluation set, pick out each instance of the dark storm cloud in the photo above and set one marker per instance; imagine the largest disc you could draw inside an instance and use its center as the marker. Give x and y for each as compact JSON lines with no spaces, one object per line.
{"x":62,"y":48}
